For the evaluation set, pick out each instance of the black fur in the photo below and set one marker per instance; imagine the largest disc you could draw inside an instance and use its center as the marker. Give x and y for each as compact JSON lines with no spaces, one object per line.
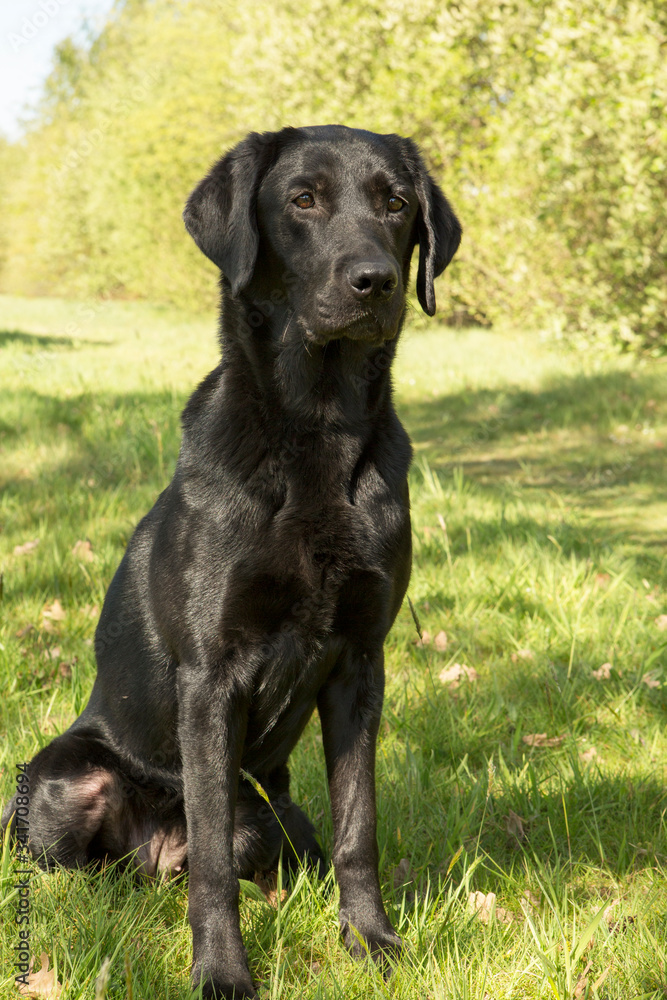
{"x":264,"y":580}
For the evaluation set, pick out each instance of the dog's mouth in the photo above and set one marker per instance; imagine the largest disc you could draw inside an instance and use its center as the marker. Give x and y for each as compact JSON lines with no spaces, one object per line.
{"x":365,"y":326}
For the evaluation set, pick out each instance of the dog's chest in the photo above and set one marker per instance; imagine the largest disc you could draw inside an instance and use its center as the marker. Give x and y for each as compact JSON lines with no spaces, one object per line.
{"x":317,"y":563}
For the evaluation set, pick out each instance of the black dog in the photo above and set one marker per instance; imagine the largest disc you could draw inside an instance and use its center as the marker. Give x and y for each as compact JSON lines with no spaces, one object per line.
{"x":264,"y":580}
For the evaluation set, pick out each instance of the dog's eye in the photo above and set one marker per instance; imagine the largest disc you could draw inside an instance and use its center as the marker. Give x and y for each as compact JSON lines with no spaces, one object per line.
{"x":304,"y":200}
{"x":395,"y":204}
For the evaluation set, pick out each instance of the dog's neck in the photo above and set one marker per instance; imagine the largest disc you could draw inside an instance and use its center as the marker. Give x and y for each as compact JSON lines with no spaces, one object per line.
{"x":341,"y":383}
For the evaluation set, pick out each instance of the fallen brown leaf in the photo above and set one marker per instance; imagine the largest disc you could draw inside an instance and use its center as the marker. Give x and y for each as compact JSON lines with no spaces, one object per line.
{"x":542,"y":740}
{"x":616,"y":926}
{"x":522,"y":654}
{"x":456,"y":673}
{"x":23,"y":550}
{"x":54,"y":611}
{"x":24,"y":631}
{"x":42,"y":983}
{"x":425,"y":639}
{"x":602,"y":579}
{"x":485,"y":907}
{"x":650,"y":681}
{"x":603,"y":673}
{"x":581,"y":985}
{"x":588,"y":755}
{"x":440,"y":641}
{"x":83,"y":550}
{"x":661,"y":622}
{"x":268,"y":883}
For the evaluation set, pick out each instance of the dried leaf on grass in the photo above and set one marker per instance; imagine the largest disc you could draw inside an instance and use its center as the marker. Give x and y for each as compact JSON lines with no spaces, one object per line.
{"x":542,"y":740}
{"x":23,"y":550}
{"x":650,"y":680}
{"x":581,"y":985}
{"x":660,"y":621}
{"x":615,"y":925}
{"x":440,"y":641}
{"x":55,"y":612}
{"x":268,"y":883}
{"x":42,"y":983}
{"x":425,"y":639}
{"x":586,"y":756}
{"x":83,"y":550}
{"x":456,"y":673}
{"x":531,"y":900}
{"x":603,"y":673}
{"x":522,"y":654}
{"x":485,"y":908}
{"x":581,"y":989}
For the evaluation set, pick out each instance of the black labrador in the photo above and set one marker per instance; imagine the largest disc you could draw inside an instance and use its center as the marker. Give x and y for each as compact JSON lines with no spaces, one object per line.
{"x":267,"y":575}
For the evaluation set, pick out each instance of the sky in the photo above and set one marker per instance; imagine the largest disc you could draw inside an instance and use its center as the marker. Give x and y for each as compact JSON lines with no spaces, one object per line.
{"x":29,"y":32}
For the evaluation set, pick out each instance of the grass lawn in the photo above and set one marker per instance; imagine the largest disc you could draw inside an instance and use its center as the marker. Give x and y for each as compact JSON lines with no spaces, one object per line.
{"x":540,"y":564}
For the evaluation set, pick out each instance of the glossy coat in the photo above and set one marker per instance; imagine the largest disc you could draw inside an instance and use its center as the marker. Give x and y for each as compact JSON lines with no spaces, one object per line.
{"x":265,"y":579}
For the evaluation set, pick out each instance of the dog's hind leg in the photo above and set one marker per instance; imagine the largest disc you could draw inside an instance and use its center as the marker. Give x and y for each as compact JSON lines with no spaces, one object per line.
{"x":262,"y":829}
{"x":67,"y":801}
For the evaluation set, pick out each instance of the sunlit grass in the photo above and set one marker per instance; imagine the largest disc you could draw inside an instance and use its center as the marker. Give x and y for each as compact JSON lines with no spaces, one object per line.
{"x":540,"y":519}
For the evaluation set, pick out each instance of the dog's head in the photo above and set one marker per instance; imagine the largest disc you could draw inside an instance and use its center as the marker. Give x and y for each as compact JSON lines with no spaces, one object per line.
{"x":325,"y":219}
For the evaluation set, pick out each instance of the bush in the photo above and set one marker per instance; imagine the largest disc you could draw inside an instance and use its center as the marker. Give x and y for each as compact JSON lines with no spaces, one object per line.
{"x":544,"y":120}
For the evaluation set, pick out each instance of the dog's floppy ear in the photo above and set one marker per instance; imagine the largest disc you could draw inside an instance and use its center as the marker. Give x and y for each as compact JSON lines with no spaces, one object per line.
{"x":220,"y":214}
{"x":438,"y":229}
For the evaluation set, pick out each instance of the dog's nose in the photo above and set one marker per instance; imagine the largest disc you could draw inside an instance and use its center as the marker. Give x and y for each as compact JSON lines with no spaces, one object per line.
{"x":372,"y":279}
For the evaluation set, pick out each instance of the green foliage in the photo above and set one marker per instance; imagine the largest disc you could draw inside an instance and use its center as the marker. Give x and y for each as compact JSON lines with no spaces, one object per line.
{"x":544,"y":119}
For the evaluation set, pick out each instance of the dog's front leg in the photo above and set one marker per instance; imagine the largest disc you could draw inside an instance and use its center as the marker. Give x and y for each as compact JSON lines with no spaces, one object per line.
{"x":212,"y":725}
{"x":350,"y":705}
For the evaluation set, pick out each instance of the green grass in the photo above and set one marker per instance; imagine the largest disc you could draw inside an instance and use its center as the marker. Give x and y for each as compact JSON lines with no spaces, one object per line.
{"x":540,"y":528}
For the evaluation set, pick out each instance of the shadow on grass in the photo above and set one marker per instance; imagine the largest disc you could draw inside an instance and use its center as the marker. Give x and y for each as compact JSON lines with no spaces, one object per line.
{"x":36,"y":341}
{"x":592,"y":406}
{"x":477,"y":415}
{"x":469,"y":768}
{"x":121,"y":440}
{"x":589,"y":439}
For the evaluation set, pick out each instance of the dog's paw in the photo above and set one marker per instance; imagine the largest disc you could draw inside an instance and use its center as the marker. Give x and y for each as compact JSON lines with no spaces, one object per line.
{"x":378,"y":940}
{"x":224,"y":987}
